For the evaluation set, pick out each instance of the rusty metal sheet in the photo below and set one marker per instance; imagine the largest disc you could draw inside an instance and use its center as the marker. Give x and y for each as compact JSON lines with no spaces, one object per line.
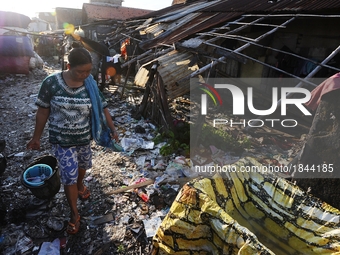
{"x":179,"y":14}
{"x":196,"y":24}
{"x":171,"y":9}
{"x":173,"y":67}
{"x":97,"y":11}
{"x":165,"y":29}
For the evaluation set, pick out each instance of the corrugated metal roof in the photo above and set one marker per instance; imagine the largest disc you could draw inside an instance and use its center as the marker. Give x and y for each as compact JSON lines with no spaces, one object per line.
{"x":187,"y":21}
{"x":168,"y":28}
{"x":172,"y":67}
{"x":174,"y":16}
{"x":274,"y":5}
{"x":172,"y":27}
{"x":198,"y":23}
{"x":167,"y":10}
{"x":101,"y":11}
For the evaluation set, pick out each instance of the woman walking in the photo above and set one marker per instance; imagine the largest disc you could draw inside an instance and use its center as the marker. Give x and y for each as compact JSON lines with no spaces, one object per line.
{"x":65,"y":102}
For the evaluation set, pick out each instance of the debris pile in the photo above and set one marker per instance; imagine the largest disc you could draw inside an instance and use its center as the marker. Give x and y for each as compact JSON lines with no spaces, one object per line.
{"x":131,"y":192}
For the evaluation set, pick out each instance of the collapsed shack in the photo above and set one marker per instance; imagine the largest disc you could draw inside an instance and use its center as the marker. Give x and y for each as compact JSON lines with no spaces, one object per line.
{"x":274,"y":43}
{"x":240,"y":45}
{"x":224,"y":62}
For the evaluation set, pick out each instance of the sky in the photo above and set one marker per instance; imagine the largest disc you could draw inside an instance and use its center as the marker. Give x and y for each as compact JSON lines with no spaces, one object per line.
{"x":31,"y":7}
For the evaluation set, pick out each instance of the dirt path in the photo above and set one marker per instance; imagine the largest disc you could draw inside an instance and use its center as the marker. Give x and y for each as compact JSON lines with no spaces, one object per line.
{"x":28,"y":216}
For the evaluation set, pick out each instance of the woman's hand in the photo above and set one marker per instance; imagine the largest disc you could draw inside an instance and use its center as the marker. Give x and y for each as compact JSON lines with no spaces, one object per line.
{"x":33,"y":145}
{"x":114,"y":135}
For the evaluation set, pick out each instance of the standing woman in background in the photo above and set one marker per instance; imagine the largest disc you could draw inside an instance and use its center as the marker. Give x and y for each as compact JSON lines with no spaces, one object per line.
{"x":65,"y":102}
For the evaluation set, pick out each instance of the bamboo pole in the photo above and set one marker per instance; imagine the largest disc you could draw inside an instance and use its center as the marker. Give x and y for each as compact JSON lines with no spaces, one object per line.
{"x":305,"y":80}
{"x":237,"y":51}
{"x":134,"y":186}
{"x":145,"y":54}
{"x":268,"y":65}
{"x":135,"y":59}
{"x":316,"y":69}
{"x":127,"y":75}
{"x":164,"y":103}
{"x":270,"y":48}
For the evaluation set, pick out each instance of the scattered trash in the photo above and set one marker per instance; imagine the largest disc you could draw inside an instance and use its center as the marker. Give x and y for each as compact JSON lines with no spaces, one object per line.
{"x":55,"y":223}
{"x":151,"y":226}
{"x":20,"y":154}
{"x":23,"y":244}
{"x":106,"y":218}
{"x":131,"y":192}
{"x":132,"y":144}
{"x":50,"y":248}
{"x":169,"y":196}
{"x":3,"y":159}
{"x":142,"y":195}
{"x":114,"y":233}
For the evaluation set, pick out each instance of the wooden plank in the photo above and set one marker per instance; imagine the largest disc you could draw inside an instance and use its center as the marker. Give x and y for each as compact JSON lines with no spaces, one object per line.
{"x":134,"y":186}
{"x":165,"y":111}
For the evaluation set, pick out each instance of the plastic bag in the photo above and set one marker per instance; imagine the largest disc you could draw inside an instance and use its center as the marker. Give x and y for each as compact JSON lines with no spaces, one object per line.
{"x":50,"y":248}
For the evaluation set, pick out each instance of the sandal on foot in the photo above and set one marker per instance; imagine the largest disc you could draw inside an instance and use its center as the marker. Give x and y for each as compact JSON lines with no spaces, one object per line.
{"x":73,"y":228}
{"x":85,"y":194}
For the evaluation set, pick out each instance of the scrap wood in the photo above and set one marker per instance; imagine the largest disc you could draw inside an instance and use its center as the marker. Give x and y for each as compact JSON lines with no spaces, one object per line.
{"x":185,"y":101}
{"x":129,"y":87}
{"x":134,"y":186}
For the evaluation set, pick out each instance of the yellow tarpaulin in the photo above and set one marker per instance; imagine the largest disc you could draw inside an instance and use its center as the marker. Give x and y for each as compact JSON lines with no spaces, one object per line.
{"x":247,"y":213}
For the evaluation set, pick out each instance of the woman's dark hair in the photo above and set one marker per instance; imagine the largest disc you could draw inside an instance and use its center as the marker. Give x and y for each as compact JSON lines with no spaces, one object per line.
{"x":79,"y":56}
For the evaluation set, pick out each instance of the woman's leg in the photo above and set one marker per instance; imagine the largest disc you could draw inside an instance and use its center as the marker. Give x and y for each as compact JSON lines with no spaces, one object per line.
{"x":71,"y":192}
{"x":80,"y":184}
{"x":84,"y":162}
{"x":68,"y":168}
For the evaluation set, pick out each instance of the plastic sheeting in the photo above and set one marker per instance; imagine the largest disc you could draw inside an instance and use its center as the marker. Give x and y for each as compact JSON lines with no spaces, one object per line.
{"x":12,"y":45}
{"x":247,"y":213}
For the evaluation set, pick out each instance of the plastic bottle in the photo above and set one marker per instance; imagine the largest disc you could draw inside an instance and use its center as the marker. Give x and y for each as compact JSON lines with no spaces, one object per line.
{"x":142,"y":195}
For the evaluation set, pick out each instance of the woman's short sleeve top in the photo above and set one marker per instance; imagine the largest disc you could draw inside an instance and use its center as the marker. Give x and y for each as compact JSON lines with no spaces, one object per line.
{"x":70,"y":111}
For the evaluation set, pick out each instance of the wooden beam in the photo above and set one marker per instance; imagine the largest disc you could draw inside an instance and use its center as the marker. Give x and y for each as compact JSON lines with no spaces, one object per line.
{"x":134,"y":186}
